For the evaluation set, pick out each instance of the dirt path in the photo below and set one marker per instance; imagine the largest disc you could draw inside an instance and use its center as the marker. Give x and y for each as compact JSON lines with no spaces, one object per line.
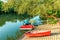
{"x":55,"y":33}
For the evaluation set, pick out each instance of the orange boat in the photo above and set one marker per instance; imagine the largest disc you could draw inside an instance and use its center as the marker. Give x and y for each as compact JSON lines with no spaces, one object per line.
{"x":37,"y":33}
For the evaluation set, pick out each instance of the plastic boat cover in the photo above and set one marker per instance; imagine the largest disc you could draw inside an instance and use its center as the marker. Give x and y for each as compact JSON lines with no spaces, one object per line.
{"x":36,"y":21}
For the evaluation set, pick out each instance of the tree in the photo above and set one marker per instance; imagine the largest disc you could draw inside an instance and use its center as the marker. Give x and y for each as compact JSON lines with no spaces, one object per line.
{"x":0,"y":5}
{"x":43,"y":8}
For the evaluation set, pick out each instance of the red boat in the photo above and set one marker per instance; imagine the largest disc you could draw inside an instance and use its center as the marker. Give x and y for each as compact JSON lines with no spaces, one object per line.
{"x":26,"y":27}
{"x":38,"y":33}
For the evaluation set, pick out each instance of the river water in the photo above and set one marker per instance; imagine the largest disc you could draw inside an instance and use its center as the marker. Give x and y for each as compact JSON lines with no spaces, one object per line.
{"x":9,"y":30}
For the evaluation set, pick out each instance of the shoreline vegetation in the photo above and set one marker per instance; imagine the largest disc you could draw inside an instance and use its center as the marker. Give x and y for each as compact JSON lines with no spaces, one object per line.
{"x":46,"y":9}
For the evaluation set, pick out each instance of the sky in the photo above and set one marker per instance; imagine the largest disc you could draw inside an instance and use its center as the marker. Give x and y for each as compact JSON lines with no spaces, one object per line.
{"x":4,"y":0}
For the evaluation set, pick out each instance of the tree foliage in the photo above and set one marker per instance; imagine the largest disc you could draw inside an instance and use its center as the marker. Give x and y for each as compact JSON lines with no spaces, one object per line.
{"x":43,"y":8}
{"x":0,"y":5}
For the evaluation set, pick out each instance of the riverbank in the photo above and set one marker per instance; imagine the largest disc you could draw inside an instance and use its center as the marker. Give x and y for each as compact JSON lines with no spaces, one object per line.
{"x":55,"y":32}
{"x":8,"y":23}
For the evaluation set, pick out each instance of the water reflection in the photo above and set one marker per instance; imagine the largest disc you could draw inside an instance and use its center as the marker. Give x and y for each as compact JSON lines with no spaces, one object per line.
{"x":9,"y":29}
{"x":11,"y":17}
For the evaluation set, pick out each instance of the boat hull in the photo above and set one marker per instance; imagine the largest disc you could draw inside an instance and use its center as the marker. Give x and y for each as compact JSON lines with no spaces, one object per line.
{"x":46,"y":33}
